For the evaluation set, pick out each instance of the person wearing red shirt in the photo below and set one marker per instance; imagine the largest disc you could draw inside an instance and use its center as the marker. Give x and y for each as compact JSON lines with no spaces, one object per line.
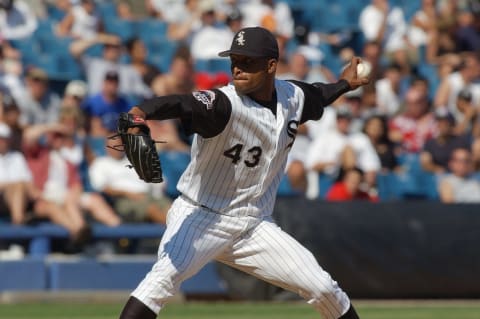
{"x":349,"y":187}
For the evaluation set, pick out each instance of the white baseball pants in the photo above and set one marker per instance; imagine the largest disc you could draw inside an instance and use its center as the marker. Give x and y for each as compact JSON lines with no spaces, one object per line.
{"x":195,"y":236}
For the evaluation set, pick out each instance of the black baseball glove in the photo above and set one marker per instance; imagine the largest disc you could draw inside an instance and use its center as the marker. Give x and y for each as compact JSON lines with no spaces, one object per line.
{"x":139,"y":147}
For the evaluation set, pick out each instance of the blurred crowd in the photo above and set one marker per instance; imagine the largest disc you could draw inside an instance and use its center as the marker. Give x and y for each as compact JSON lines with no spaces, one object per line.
{"x":69,"y":67}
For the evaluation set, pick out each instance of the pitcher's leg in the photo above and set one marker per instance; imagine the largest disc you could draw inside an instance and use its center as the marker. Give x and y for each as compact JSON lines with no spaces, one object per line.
{"x":192,"y":239}
{"x":274,"y":256}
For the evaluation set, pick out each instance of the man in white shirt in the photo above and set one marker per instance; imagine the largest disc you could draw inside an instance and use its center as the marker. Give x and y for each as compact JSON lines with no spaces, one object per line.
{"x":132,"y":198}
{"x":338,"y":147}
{"x":15,"y":177}
{"x":379,"y":22}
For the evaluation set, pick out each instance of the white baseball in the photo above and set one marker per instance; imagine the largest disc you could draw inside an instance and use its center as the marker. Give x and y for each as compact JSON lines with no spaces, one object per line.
{"x":363,"y":69}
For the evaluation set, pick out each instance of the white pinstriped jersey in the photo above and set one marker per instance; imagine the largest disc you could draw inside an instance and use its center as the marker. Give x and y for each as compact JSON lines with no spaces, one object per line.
{"x":238,"y":171}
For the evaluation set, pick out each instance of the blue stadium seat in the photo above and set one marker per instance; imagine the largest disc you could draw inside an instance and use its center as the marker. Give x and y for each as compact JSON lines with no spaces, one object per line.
{"x":219,"y":65}
{"x":332,"y":16}
{"x":68,"y":67}
{"x":48,"y":63}
{"x":27,"y":46}
{"x":54,"y":13}
{"x":95,"y":50}
{"x":151,"y":29}
{"x":122,"y":28}
{"x":160,"y":52}
{"x":430,"y":73}
{"x":324,"y":184}
{"x":97,"y":145}
{"x":173,"y":165}
{"x":285,"y":188}
{"x":106,"y":9}
{"x":388,"y":187}
{"x":49,"y":43}
{"x":45,"y":27}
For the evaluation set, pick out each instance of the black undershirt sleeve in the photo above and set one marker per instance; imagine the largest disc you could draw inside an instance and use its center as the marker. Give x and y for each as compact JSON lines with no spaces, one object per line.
{"x":203,"y":112}
{"x":319,"y":95}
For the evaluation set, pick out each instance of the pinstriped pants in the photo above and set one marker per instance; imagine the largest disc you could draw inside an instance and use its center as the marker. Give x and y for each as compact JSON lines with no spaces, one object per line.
{"x":195,"y":236}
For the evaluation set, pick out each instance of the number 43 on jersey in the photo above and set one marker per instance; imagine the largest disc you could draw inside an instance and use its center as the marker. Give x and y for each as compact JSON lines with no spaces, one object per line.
{"x":252,"y":156}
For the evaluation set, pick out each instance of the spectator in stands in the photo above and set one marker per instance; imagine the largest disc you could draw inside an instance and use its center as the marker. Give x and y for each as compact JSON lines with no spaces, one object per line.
{"x":132,"y":9}
{"x":275,"y":16}
{"x":73,"y":145}
{"x":376,"y":128}
{"x":379,"y":22}
{"x":10,"y":115}
{"x":437,"y":150}
{"x":15,"y":179}
{"x":131,"y":83}
{"x":109,"y":103}
{"x":17,"y":20}
{"x":74,"y":94}
{"x":181,"y":77}
{"x":327,"y":151}
{"x":466,"y":114}
{"x":337,"y":149}
{"x":353,"y":100}
{"x":460,"y":186}
{"x":132,"y":198}
{"x":182,"y":16}
{"x":210,"y":37}
{"x":349,"y":186}
{"x":388,"y":91}
{"x":81,"y":22}
{"x":11,"y":70}
{"x":58,"y":189}
{"x":234,"y":21}
{"x":468,"y":72}
{"x":38,"y":104}
{"x":371,"y":53}
{"x":422,"y":32}
{"x":138,"y":54}
{"x":411,"y":128}
{"x":467,"y":34}
{"x":301,"y":70}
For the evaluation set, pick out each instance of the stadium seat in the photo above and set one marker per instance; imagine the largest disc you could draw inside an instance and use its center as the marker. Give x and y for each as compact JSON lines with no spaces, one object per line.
{"x":219,"y":65}
{"x":49,"y":43}
{"x":332,"y":16}
{"x":160,"y":52}
{"x":285,"y":188}
{"x":45,"y":27}
{"x":68,"y":67}
{"x":324,"y":184}
{"x":173,"y":165}
{"x":48,"y":63}
{"x":27,"y":46}
{"x":122,"y":28}
{"x":430,"y":73}
{"x":106,"y":9}
{"x":54,"y":13}
{"x":151,"y":29}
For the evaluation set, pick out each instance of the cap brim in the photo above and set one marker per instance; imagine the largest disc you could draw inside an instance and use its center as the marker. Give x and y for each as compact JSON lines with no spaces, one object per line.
{"x":225,"y":54}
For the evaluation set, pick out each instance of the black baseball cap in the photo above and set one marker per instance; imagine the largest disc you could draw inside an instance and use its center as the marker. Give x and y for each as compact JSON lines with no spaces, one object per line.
{"x":111,"y":75}
{"x":254,"y":42}
{"x":444,"y":114}
{"x":465,"y":94}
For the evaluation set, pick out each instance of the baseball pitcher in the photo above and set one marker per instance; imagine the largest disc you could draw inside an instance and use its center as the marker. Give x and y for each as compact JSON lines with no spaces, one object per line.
{"x":243,"y":133}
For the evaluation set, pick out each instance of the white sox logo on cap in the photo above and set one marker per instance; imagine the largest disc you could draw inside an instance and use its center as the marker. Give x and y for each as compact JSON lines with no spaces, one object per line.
{"x":240,"y":40}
